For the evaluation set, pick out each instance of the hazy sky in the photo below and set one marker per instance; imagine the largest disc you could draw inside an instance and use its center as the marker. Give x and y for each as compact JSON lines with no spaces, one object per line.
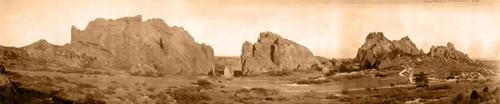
{"x":331,"y":28}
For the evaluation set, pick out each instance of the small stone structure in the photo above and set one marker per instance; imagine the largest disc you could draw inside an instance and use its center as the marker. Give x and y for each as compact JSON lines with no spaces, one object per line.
{"x":224,"y":71}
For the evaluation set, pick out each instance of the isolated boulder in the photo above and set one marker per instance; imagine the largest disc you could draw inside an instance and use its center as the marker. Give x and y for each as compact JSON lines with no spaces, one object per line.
{"x":448,"y":52}
{"x":378,"y":48}
{"x":274,"y":53}
{"x":132,"y":42}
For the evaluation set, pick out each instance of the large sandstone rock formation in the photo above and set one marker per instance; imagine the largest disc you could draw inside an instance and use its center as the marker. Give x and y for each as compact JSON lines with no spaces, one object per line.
{"x":448,"y":52}
{"x":378,"y":48}
{"x":274,"y":53}
{"x":130,"y":42}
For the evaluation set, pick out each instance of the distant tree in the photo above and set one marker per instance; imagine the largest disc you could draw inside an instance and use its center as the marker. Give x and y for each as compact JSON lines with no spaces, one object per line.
{"x":459,"y":99}
{"x":475,"y":98}
{"x":486,"y":89}
{"x":2,"y":69}
{"x":421,"y":80}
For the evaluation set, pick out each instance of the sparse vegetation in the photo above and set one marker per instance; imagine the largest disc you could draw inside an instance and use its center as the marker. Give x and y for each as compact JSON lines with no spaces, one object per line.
{"x":312,"y":81}
{"x":264,"y":91}
{"x":459,"y":99}
{"x":203,"y":83}
{"x":332,"y":96}
{"x":380,"y":75}
{"x":344,"y":91}
{"x":189,"y":95}
{"x":440,"y":87}
{"x":279,"y":73}
{"x":421,"y":80}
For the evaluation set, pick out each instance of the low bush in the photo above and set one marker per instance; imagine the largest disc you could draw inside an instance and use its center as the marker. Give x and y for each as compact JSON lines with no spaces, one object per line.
{"x":344,"y":91}
{"x":203,"y":83}
{"x":332,"y":96}
{"x":331,"y":73}
{"x":355,"y":76}
{"x":279,"y":73}
{"x":90,"y":99}
{"x":368,"y":89}
{"x":264,"y":91}
{"x":244,"y":90}
{"x":459,"y":99}
{"x":312,"y":81}
{"x":439,"y":87}
{"x":380,"y":75}
{"x":61,"y":79}
{"x":188,"y":95}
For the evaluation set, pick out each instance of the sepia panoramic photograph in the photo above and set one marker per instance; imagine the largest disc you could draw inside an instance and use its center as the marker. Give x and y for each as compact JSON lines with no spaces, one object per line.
{"x":249,"y":52}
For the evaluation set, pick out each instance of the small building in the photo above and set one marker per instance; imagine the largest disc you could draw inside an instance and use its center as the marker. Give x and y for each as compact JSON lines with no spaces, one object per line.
{"x":222,"y":71}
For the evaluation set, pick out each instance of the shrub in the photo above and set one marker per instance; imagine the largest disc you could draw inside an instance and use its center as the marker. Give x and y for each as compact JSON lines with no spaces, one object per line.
{"x":355,"y":76}
{"x":331,"y":96}
{"x":151,"y":89}
{"x":203,"y":83}
{"x":312,"y":81}
{"x":188,"y":95}
{"x":458,"y":99}
{"x":243,"y":90}
{"x":61,"y":79}
{"x":368,"y":89}
{"x":421,"y":79}
{"x":90,"y":101}
{"x":264,"y":91}
{"x":84,"y":85}
{"x":440,"y":87}
{"x":344,"y":91}
{"x":380,"y":75}
{"x":279,"y":73}
{"x":330,"y":73}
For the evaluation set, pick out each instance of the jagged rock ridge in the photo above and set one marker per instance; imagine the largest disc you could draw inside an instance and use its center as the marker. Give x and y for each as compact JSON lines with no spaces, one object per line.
{"x":377,"y":48}
{"x":274,"y":53}
{"x":448,"y":52}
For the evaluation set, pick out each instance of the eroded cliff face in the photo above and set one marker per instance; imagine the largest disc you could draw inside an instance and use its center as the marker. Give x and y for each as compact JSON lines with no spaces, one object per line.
{"x":273,"y":53}
{"x":129,"y":42}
